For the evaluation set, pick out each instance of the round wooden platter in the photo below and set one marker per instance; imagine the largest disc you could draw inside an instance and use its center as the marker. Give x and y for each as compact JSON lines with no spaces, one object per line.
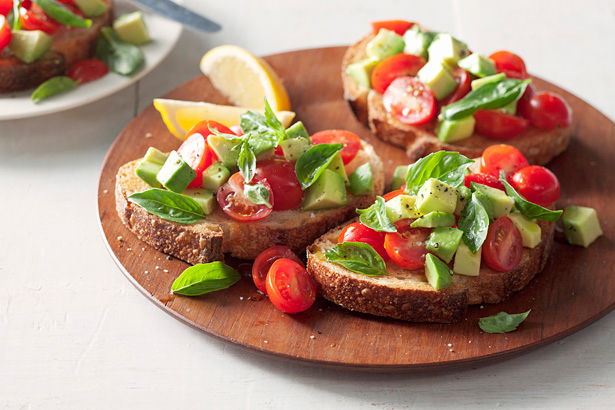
{"x":576,"y":288}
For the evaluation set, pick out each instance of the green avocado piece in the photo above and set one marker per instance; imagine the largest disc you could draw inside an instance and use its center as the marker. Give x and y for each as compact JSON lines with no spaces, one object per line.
{"x":455,"y":130}
{"x":434,"y":220}
{"x":223,"y":149}
{"x":581,"y":225}
{"x":447,"y":50}
{"x":479,"y":82}
{"x":417,"y":41}
{"x":175,"y":175}
{"x":131,"y":28}
{"x":204,"y":197}
{"x":478,"y":65}
{"x":147,"y":171}
{"x":466,"y":262}
{"x":530,"y":230}
{"x":502,"y":203}
{"x":293,"y":148}
{"x":443,"y":242}
{"x":399,"y":177}
{"x":215,"y":175}
{"x":337,"y":165}
{"x":91,"y":8}
{"x":385,"y":44}
{"x":436,"y":195}
{"x":362,"y":70}
{"x":438,"y":274}
{"x":463,"y":195}
{"x":328,"y":191}
{"x":156,"y":156}
{"x":30,"y":45}
{"x":361,"y":181}
{"x":439,"y":80}
{"x":401,"y":207}
{"x":297,"y":130}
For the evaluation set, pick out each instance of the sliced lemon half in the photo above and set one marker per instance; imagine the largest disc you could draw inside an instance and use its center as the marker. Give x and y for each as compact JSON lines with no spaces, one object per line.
{"x":244,"y":79}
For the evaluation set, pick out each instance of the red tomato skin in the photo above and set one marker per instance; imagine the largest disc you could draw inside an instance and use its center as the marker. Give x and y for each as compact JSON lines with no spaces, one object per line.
{"x":406,"y":247}
{"x":507,"y":62}
{"x":464,"y":85}
{"x":263,"y":263}
{"x":536,"y":184}
{"x":88,"y":70}
{"x":350,"y":141}
{"x":289,"y":287}
{"x":284,"y":183}
{"x":502,"y":157}
{"x":398,"y":26}
{"x":499,"y":125}
{"x":357,"y":232}
{"x":34,"y":18}
{"x":484,"y":179}
{"x":6,"y":35}
{"x":233,"y":202}
{"x":547,"y":110}
{"x":5,"y":7}
{"x":409,"y":101}
{"x":503,"y":246}
{"x":390,"y":68}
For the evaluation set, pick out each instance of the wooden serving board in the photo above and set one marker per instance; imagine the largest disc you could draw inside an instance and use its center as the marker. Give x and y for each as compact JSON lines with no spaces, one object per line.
{"x":576,"y":288}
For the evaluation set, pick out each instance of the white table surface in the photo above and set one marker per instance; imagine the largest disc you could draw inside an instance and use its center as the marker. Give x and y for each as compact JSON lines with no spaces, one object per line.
{"x":75,"y":334}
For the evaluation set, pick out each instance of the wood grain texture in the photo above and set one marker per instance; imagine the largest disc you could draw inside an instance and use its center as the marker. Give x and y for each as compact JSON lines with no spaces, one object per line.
{"x":576,"y":288}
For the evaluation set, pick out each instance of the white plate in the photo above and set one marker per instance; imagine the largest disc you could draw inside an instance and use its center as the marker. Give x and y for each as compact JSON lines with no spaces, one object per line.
{"x":164,"y":33}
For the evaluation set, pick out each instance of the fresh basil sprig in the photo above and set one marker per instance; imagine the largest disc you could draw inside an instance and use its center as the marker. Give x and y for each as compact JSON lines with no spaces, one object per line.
{"x":246,"y":162}
{"x":53,"y":86}
{"x":204,"y":278}
{"x":15,"y":24}
{"x":488,"y":97}
{"x":485,"y":201}
{"x":358,"y":257}
{"x":474,"y":222}
{"x":169,"y":205}
{"x":313,"y":162}
{"x":61,"y":14}
{"x":448,"y":167}
{"x":121,"y":57}
{"x":526,"y":207}
{"x":375,"y":217}
{"x":502,"y":322}
{"x":268,"y":124}
{"x":257,"y":194}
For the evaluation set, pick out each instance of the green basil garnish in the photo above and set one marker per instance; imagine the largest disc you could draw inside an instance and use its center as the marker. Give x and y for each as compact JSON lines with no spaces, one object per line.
{"x":502,"y":322}
{"x":528,"y":208}
{"x":257,"y":194}
{"x":268,"y":124}
{"x":358,"y":257}
{"x":313,"y":162}
{"x":121,"y":57}
{"x":375,"y":217}
{"x":246,"y":162}
{"x":204,"y":278}
{"x":474,"y":222}
{"x":488,"y":97}
{"x":61,"y":14}
{"x":448,"y":167}
{"x":13,"y":18}
{"x":53,"y":86}
{"x":169,"y":205}
{"x":485,"y":201}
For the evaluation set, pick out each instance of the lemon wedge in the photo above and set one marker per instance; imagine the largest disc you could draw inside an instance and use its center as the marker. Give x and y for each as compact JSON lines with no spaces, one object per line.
{"x":244,"y":79}
{"x":179,"y":116}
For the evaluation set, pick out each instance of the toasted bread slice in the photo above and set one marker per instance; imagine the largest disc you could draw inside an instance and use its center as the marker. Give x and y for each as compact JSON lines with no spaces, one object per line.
{"x":218,"y":234}
{"x":406,"y":295}
{"x":539,"y":146}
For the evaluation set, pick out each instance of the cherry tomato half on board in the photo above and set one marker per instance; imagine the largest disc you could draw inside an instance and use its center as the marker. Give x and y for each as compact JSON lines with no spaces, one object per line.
{"x":499,"y":125}
{"x":536,"y":184}
{"x":234,"y":203}
{"x":357,"y":232}
{"x":263,"y":262}
{"x":283,"y":180}
{"x":547,"y":110}
{"x":350,"y":141}
{"x":409,"y":101}
{"x":509,"y":63}
{"x":289,"y":286}
{"x":503,"y":246}
{"x":484,"y":179}
{"x":502,"y":157}
{"x":406,"y":247}
{"x":6,"y":35}
{"x":390,"y":68}
{"x":88,"y":70}
{"x":398,"y":26}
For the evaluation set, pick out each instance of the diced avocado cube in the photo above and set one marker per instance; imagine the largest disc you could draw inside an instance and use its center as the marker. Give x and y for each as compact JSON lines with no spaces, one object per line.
{"x":30,"y":45}
{"x":361,"y":181}
{"x":530,"y":230}
{"x":463,"y":196}
{"x":295,"y":147}
{"x":439,"y":80}
{"x":478,"y":65}
{"x":446,"y":49}
{"x":328,"y":191}
{"x":436,"y":195}
{"x":455,"y":130}
{"x":399,"y":177}
{"x":434,"y":220}
{"x":337,"y":165}
{"x":443,"y":242}
{"x":362,"y":70}
{"x":466,"y":262}
{"x":502,"y":203}
{"x":417,"y":41}
{"x":215,"y":175}
{"x":401,"y":207}
{"x":262,"y":148}
{"x":223,"y":149}
{"x":581,"y":225}
{"x":147,"y":171}
{"x":385,"y":44}
{"x":156,"y":156}
{"x":204,"y":197}
{"x":175,"y":175}
{"x":131,"y":28}
{"x":91,"y":8}
{"x":438,"y":274}
{"x":297,"y":130}
{"x":479,"y":82}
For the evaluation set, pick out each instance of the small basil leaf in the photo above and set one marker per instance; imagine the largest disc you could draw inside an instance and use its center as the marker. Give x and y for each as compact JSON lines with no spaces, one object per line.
{"x":528,"y":208}
{"x":358,"y":257}
{"x":53,"y":86}
{"x":375,"y":217}
{"x":169,"y":205}
{"x":502,"y":322}
{"x":61,"y":14}
{"x":204,"y":278}
{"x":15,"y":24}
{"x":229,"y":137}
{"x":257,"y":194}
{"x":474,"y":222}
{"x":121,"y":57}
{"x":448,"y":167}
{"x":313,"y":162}
{"x":268,"y":124}
{"x":485,"y":201}
{"x":276,"y":126}
{"x":246,"y":162}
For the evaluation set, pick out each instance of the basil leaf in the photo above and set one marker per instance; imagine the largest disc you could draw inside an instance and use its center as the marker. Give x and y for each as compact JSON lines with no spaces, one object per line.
{"x":375,"y":217}
{"x":448,"y":167}
{"x":53,"y":86}
{"x":313,"y":162}
{"x":268,"y":124}
{"x":228,"y":137}
{"x":15,"y":24}
{"x":246,"y":162}
{"x":485,"y":201}
{"x":474,"y":222}
{"x":276,"y":126}
{"x":121,"y":57}
{"x":502,"y":322}
{"x":488,"y":97}
{"x":526,"y":207}
{"x":358,"y":257}
{"x":169,"y":205}
{"x":257,"y":194}
{"x":61,"y":14}
{"x":204,"y":278}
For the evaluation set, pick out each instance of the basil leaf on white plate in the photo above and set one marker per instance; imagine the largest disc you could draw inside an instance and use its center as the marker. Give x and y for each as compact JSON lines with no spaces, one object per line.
{"x":474,"y":222}
{"x":53,"y":86}
{"x":257,"y":194}
{"x":448,"y":167}
{"x":358,"y":257}
{"x":169,"y":205}
{"x":204,"y":278}
{"x":528,"y":208}
{"x":121,"y":57}
{"x":375,"y":217}
{"x":313,"y":162}
{"x":502,"y":322}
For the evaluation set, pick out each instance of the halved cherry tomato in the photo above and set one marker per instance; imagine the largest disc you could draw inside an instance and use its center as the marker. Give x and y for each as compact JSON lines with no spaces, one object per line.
{"x":88,"y":70}
{"x":390,"y":68}
{"x":393,"y":194}
{"x":35,"y":19}
{"x":547,"y":110}
{"x":406,"y":247}
{"x":289,"y":286}
{"x":263,"y":262}
{"x":350,"y":141}
{"x":499,"y":125}
{"x":234,"y":203}
{"x":398,"y":26}
{"x":503,"y":246}
{"x":509,"y":63}
{"x":485,"y":179}
{"x":6,"y":35}
{"x":464,"y":85}
{"x":409,"y":101}
{"x":502,"y":157}
{"x":357,"y":232}
{"x":536,"y":184}
{"x":5,"y":7}
{"x":283,"y":180}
